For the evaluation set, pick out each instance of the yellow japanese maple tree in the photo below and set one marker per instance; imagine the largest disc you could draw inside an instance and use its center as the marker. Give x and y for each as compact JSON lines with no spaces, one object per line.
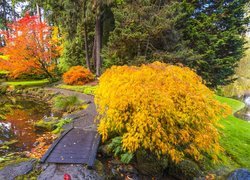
{"x":31,"y":47}
{"x":162,"y":108}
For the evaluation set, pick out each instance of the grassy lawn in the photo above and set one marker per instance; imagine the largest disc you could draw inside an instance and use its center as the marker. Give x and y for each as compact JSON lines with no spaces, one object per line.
{"x":28,"y":83}
{"x":235,"y":137}
{"x":86,"y":89}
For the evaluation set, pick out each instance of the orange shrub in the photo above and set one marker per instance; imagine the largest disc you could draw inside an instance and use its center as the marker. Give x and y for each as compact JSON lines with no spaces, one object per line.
{"x":162,"y":108}
{"x":78,"y":75}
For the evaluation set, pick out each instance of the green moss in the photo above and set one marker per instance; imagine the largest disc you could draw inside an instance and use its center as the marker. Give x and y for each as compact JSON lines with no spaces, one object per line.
{"x":33,"y":175}
{"x":186,"y":168}
{"x":2,"y":117}
{"x":83,"y":89}
{"x":56,"y":126}
{"x":11,"y":159}
{"x":60,"y":124}
{"x":22,"y":84}
{"x":45,"y":126}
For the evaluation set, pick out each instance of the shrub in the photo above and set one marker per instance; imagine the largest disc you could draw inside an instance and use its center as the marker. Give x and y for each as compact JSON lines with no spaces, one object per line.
{"x":77,"y":75}
{"x":66,"y":103}
{"x":160,"y":108}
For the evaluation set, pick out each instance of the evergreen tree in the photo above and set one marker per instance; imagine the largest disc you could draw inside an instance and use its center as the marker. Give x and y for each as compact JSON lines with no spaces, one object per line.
{"x":145,"y":31}
{"x":215,"y":29}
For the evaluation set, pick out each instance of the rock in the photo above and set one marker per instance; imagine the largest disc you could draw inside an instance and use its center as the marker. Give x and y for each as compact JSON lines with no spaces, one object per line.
{"x":239,"y":174}
{"x":8,"y":143}
{"x":149,"y":165}
{"x":186,"y":169}
{"x":36,"y":143}
{"x":221,"y":173}
{"x":50,"y":119}
{"x":105,"y":150}
{"x":99,"y":167}
{"x":46,"y":124}
{"x":116,"y":162}
{"x":78,"y":172}
{"x":128,"y":169}
{"x":48,"y":172}
{"x":122,"y":171}
{"x":12,"y":171}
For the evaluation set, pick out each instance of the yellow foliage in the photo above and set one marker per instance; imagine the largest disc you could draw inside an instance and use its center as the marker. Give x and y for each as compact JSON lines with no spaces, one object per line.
{"x":4,"y":57}
{"x":158,"y":107}
{"x":57,"y":40}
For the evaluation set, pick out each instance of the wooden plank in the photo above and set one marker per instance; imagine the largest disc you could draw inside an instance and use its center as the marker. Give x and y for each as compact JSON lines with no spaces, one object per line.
{"x":49,"y":151}
{"x":76,"y":146}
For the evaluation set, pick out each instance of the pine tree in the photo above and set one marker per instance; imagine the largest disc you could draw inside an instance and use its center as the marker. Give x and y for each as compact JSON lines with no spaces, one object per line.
{"x":215,"y":29}
{"x":146,"y":31}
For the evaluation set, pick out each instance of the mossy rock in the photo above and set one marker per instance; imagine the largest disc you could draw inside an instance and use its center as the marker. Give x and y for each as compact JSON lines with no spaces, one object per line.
{"x":2,"y":117}
{"x":149,"y":164}
{"x":46,"y":124}
{"x":105,"y":150}
{"x":186,"y":169}
{"x":99,"y":167}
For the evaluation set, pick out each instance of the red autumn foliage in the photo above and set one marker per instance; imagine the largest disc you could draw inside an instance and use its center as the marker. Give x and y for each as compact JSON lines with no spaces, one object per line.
{"x":78,"y":75}
{"x":30,"y":47}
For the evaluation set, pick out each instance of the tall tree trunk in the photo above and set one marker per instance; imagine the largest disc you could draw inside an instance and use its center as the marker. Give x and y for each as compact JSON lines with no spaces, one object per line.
{"x":93,"y":64}
{"x":5,"y":18}
{"x":86,"y":35}
{"x":98,"y":44}
{"x":38,"y":12}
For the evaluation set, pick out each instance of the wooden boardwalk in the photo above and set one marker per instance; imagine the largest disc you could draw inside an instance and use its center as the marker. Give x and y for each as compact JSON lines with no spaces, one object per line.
{"x":75,"y":146}
{"x":78,"y":144}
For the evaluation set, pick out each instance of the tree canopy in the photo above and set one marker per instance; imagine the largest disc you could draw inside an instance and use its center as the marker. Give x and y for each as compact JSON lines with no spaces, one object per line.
{"x":207,"y":36}
{"x":31,"y":47}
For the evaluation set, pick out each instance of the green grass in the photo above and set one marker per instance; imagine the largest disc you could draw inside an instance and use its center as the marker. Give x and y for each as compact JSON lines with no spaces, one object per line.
{"x":83,"y":89}
{"x":16,"y":84}
{"x":235,"y":137}
{"x":4,"y":72}
{"x":234,"y":104}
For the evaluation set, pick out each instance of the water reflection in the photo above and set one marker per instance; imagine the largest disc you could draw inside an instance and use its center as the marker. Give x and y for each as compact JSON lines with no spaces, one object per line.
{"x":247,"y":101}
{"x":18,"y":124}
{"x":245,"y":112}
{"x":5,"y":130}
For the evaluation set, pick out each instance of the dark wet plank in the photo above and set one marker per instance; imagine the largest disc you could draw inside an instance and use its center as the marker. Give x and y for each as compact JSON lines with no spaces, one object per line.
{"x":77,"y":146}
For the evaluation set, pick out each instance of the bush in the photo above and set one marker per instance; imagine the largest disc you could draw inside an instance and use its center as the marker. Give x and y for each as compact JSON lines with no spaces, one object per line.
{"x":160,"y":108}
{"x":66,"y":103}
{"x":3,"y":89}
{"x":77,"y":75}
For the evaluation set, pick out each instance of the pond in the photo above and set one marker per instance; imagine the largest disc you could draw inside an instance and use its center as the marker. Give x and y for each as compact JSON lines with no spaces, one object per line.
{"x":245,"y":112}
{"x":17,"y":115}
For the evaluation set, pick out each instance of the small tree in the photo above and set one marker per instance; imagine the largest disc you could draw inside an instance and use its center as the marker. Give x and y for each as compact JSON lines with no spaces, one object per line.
{"x":31,"y":47}
{"x":162,"y":108}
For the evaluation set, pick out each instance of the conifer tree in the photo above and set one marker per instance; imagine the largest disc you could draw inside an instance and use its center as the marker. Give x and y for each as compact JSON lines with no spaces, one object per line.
{"x":215,"y":29}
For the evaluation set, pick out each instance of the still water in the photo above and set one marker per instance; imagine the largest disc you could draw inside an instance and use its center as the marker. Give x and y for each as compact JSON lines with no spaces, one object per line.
{"x":17,"y":116}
